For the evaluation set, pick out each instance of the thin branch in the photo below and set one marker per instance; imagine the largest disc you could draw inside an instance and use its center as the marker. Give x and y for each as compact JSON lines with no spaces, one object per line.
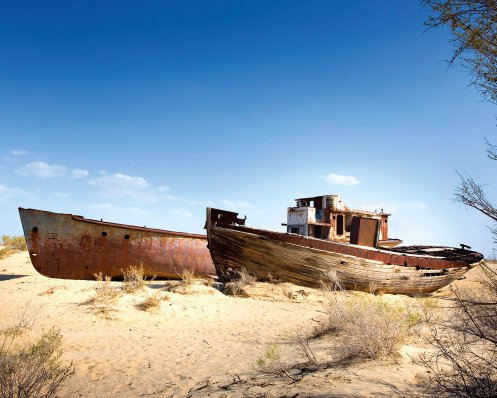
{"x":491,"y":150}
{"x":471,"y":194}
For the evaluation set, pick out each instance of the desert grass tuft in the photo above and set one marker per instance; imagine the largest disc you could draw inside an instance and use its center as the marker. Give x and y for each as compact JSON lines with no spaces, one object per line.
{"x":104,"y":299}
{"x":188,"y":277}
{"x":271,"y":361}
{"x":300,"y":340}
{"x":190,"y":283}
{"x":152,"y":302}
{"x":133,"y":279}
{"x":236,"y":287}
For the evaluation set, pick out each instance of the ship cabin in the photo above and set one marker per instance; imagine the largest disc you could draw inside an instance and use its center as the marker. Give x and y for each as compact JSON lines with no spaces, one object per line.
{"x":327,"y":217}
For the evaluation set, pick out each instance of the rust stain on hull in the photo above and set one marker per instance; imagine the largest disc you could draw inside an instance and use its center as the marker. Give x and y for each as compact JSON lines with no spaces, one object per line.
{"x":72,"y":247}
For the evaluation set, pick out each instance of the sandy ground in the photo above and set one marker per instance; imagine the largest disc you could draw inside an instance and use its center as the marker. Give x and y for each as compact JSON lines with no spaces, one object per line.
{"x":197,"y":343}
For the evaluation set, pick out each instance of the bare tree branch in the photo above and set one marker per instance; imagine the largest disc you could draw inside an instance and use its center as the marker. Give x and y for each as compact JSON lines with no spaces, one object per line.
{"x":471,"y":194}
{"x":473,"y":24}
{"x":491,"y":150}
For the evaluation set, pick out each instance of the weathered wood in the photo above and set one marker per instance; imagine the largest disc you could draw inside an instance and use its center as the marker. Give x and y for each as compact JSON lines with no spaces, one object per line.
{"x":266,"y":254}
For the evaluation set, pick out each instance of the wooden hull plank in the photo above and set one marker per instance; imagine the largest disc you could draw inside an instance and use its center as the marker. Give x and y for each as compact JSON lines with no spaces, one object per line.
{"x":273,"y":255}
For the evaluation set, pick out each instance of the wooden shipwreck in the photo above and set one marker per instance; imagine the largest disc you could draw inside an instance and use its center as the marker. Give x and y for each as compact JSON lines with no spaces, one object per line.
{"x":73,"y":247}
{"x":305,"y":260}
{"x":327,"y":217}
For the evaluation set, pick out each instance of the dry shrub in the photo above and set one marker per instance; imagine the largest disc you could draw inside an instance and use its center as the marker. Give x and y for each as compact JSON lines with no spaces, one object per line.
{"x":330,"y":283}
{"x":104,"y":299}
{"x":300,"y":341}
{"x":300,"y":357}
{"x":14,"y":242}
{"x":271,"y":361}
{"x":464,"y":362}
{"x":428,"y":309}
{"x":103,"y":290}
{"x":188,"y":277}
{"x":237,"y":286}
{"x":6,"y":252}
{"x":365,"y":325}
{"x":362,"y":325}
{"x":12,"y":245}
{"x":291,"y":293}
{"x":189,"y":283}
{"x":369,"y":326}
{"x":133,"y":279}
{"x":151,"y":302}
{"x":31,"y":370}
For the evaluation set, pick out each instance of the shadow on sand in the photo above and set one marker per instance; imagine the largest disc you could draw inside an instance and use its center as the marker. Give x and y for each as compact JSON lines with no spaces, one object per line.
{"x":9,"y":277}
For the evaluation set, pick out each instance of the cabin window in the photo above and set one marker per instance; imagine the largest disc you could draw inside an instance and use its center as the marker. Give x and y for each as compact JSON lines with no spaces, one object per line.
{"x":294,"y":230}
{"x":340,"y":224}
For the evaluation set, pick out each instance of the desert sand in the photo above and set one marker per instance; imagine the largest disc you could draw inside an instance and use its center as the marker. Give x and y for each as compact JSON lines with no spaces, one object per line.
{"x":199,"y":342}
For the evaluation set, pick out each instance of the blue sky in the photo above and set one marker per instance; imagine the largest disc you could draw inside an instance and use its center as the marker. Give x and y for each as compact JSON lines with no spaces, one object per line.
{"x":146,"y":112}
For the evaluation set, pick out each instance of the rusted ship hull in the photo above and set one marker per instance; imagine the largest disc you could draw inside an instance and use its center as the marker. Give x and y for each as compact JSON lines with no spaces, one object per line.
{"x":305,"y":261}
{"x":72,"y":247}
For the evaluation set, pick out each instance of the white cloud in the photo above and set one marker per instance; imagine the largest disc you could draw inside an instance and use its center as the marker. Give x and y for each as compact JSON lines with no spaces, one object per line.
{"x":337,"y":179}
{"x":162,"y":188}
{"x":231,"y":205}
{"x":7,"y":193}
{"x":201,"y":203}
{"x":222,"y":204}
{"x":61,"y":195}
{"x":395,"y":207}
{"x":20,"y":152}
{"x":415,"y":206}
{"x":119,"y":183}
{"x":42,"y":170}
{"x":182,"y":213}
{"x":110,"y":209}
{"x":124,"y":186}
{"x":79,"y":173}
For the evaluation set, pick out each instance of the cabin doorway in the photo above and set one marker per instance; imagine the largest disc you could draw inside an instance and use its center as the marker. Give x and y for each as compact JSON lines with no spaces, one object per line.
{"x":318,"y":231}
{"x":339,"y":224}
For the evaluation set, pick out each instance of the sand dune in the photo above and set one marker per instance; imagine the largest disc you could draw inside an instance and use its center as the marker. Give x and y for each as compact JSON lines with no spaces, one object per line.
{"x":195,"y":343}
